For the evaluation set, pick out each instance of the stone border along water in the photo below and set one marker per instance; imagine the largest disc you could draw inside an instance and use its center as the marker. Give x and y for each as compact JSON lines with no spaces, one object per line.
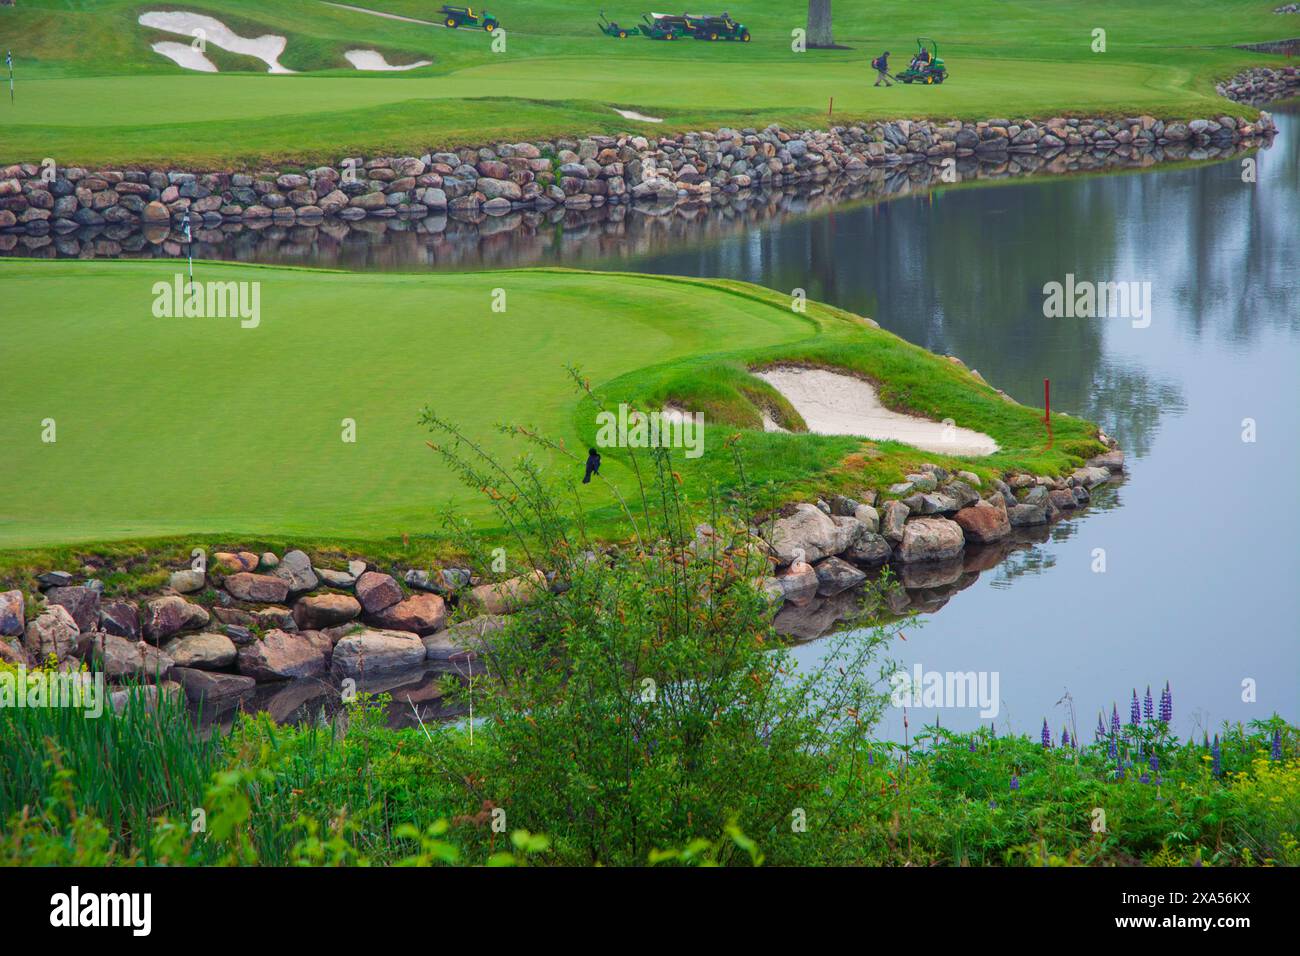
{"x":593,"y":171}
{"x":273,"y":619}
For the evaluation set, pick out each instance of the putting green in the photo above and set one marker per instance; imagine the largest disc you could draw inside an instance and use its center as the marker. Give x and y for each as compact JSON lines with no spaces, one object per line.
{"x":116,"y":101}
{"x":176,"y":425}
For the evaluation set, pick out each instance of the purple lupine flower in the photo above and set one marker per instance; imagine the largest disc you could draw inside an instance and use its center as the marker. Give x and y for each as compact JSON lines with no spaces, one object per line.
{"x":1065,"y":738}
{"x":1134,"y":714}
{"x":1114,"y":720}
{"x":1113,"y":750}
{"x":1047,"y":736}
{"x":1145,"y":778}
{"x":1166,"y":704}
{"x":1101,"y":726}
{"x":1217,"y":754}
{"x":971,"y":745}
{"x":993,"y":804}
{"x":1276,"y":753}
{"x":1015,"y":781}
{"x":1148,"y":709}
{"x":1155,"y":764}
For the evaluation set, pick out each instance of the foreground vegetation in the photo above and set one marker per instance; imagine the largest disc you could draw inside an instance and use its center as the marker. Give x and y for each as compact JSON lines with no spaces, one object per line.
{"x":645,"y":714}
{"x":115,"y":101}
{"x":165,"y":430}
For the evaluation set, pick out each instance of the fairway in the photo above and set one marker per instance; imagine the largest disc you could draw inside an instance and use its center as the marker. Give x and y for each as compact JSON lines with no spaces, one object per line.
{"x":91,"y":91}
{"x":196,"y":424}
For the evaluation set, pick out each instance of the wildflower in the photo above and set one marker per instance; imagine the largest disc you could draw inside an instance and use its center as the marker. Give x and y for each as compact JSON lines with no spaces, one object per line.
{"x":971,"y":745}
{"x":1145,"y":778}
{"x":1065,"y":738}
{"x":1015,"y":781}
{"x":1047,"y":736}
{"x":1276,"y":753}
{"x":1148,"y":709}
{"x":1217,"y":753}
{"x":1113,"y":750}
{"x":1134,"y":714}
{"x":1101,"y":727}
{"x":1114,"y":719}
{"x":1155,"y":764}
{"x":1166,"y":704}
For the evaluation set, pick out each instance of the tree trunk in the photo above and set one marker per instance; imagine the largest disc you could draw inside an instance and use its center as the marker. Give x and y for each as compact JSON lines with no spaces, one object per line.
{"x":820,"y":34}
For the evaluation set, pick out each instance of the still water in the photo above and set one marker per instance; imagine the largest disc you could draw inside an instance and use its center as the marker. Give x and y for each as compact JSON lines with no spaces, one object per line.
{"x":1201,"y":543}
{"x":1201,"y":586}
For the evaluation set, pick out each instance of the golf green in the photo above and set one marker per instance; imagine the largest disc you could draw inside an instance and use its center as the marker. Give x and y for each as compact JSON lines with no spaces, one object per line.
{"x":175,"y":425}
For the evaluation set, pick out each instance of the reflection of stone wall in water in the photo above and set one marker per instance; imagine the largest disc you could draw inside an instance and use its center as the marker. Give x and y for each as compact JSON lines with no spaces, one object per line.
{"x":473,"y":237}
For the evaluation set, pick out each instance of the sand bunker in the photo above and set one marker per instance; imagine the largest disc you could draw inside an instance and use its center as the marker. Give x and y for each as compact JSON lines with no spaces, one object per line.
{"x":374,"y":60}
{"x":833,"y":403}
{"x":182,"y":54}
{"x":380,"y":13}
{"x":639,"y":117}
{"x":265,"y":48}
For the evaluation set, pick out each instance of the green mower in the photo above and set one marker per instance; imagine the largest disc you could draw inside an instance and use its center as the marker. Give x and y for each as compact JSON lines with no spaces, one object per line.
{"x":453,"y":17}
{"x":717,"y":28}
{"x":663,"y":26}
{"x":611,"y":29}
{"x":926,"y":67}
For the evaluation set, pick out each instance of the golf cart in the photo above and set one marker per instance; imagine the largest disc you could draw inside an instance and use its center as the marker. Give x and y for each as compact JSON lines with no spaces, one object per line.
{"x":717,"y":28}
{"x":926,"y":66}
{"x":663,"y":26}
{"x":453,"y":17}
{"x":611,"y":29}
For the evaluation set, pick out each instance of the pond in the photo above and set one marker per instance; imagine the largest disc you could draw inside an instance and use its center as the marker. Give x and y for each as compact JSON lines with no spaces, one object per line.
{"x":1186,"y":572}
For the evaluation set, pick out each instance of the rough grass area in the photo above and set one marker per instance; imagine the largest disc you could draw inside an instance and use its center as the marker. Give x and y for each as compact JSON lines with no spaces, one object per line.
{"x":115,"y":101}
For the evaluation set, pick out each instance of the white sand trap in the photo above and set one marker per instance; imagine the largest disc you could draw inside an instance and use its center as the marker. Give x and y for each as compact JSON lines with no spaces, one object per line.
{"x":374,"y":60}
{"x":380,"y":13}
{"x":634,"y":115}
{"x":265,"y":48}
{"x":182,"y":54}
{"x":833,"y":403}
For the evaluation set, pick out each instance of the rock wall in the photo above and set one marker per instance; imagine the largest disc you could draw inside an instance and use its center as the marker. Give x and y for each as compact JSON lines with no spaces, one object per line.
{"x":568,"y":173}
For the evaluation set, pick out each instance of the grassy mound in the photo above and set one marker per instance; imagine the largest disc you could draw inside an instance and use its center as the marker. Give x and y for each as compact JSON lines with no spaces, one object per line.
{"x":183,"y":426}
{"x":116,"y":101}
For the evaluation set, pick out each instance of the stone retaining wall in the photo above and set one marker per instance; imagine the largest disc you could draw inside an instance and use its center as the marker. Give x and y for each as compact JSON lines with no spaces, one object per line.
{"x":568,"y":173}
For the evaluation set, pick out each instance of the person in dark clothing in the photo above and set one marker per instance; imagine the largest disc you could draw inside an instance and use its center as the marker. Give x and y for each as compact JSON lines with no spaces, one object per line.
{"x":881,"y":64}
{"x":593,"y":465}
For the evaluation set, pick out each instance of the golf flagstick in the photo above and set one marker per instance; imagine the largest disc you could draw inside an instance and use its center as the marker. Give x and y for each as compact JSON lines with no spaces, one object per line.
{"x":9,"y":62}
{"x":189,"y":247}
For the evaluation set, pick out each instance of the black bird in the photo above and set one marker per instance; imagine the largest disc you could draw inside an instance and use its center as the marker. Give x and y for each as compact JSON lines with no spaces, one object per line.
{"x":593,"y":465}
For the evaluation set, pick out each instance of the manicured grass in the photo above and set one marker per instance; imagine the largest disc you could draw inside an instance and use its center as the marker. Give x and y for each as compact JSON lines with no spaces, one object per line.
{"x":186,"y":426}
{"x":114,"y":101}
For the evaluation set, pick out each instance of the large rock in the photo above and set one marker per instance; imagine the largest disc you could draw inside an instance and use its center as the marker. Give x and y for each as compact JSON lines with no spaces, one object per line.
{"x":1025,"y":515}
{"x":798,"y":581}
{"x":236,"y":561}
{"x":983,"y":523}
{"x":203,"y":685}
{"x":120,"y":658}
{"x":892,"y":520}
{"x":503,"y":597}
{"x":463,"y":640}
{"x":375,"y":652}
{"x":422,"y":613}
{"x":296,"y":570}
{"x":81,"y":602}
{"x":187,"y":581}
{"x":54,"y":633}
{"x":869,"y":549}
{"x":12,"y":614}
{"x":280,"y":655}
{"x":12,"y":652}
{"x":121,"y":618}
{"x":325,"y":610}
{"x":930,"y":539}
{"x":808,"y":530}
{"x":167,"y":616}
{"x":377,"y":591}
{"x":259,"y":588}
{"x":206,"y":651}
{"x":834,"y":576}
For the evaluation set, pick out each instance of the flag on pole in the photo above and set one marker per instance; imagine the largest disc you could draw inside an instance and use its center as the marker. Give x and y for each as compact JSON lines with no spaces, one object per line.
{"x":9,"y":62}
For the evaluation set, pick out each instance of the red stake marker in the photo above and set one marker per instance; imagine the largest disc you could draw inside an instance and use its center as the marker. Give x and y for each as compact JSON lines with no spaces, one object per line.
{"x":830,"y":106}
{"x":1047,"y":399}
